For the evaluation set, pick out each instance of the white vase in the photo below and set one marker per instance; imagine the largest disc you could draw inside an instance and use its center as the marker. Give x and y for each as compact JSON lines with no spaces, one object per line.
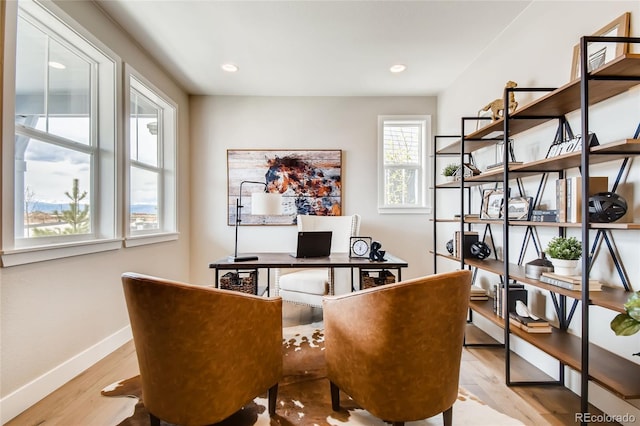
{"x":564,"y":267}
{"x":449,"y":178}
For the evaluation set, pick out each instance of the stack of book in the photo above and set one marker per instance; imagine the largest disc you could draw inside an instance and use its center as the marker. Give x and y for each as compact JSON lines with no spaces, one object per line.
{"x":516,"y":292}
{"x":529,"y":324}
{"x":464,"y":244}
{"x":569,"y":282}
{"x":569,"y":196}
{"x":478,"y":293}
{"x":544,"y":216}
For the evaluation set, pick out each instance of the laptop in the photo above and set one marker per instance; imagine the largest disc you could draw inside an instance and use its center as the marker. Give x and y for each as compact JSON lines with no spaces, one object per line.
{"x":313,"y":244}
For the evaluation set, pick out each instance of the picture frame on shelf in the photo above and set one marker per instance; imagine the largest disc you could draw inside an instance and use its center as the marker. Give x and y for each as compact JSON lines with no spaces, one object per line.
{"x":600,"y":54}
{"x":492,"y":202}
{"x":519,"y":208}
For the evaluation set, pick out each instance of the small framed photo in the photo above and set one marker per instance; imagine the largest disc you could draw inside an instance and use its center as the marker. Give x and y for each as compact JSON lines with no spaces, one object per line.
{"x":519,"y":208}
{"x":492,"y":201}
{"x":600,"y":53}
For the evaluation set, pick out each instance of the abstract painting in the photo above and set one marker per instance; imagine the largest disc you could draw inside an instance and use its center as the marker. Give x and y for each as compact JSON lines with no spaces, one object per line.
{"x":309,"y":181}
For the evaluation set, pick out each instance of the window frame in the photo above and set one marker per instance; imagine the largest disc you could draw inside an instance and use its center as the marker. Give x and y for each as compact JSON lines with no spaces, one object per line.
{"x":106,"y":229}
{"x":167,"y":162}
{"x":423,"y":205}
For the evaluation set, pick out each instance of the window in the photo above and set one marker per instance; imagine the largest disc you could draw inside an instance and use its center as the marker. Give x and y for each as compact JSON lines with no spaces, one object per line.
{"x":152,"y":164}
{"x":402,"y":164}
{"x":65,"y":135}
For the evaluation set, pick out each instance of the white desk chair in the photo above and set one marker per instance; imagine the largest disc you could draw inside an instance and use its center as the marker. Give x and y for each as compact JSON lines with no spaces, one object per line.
{"x":307,"y":286}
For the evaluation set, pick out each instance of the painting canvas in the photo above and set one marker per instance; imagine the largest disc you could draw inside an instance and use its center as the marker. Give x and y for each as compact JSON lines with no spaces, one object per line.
{"x":309,"y":181}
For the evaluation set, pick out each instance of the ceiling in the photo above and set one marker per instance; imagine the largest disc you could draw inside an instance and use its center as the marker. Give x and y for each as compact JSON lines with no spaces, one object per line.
{"x":314,"y":48}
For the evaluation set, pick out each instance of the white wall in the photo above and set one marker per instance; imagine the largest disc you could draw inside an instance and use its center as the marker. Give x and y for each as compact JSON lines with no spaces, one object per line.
{"x":219,"y":123}
{"x":59,"y":317}
{"x":536,"y":51}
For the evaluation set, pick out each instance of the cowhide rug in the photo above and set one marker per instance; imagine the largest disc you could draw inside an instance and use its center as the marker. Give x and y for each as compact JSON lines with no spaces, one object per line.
{"x":304,"y":398}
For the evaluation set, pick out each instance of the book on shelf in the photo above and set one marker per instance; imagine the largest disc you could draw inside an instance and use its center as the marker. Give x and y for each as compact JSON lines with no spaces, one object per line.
{"x":561,"y":199}
{"x":545,"y":212}
{"x":569,"y":282}
{"x":544,"y":215}
{"x":478,"y":293}
{"x":465,"y":243}
{"x":544,"y":218}
{"x":543,"y":330}
{"x":528,"y":321}
{"x":574,"y":194}
{"x":516,"y":292}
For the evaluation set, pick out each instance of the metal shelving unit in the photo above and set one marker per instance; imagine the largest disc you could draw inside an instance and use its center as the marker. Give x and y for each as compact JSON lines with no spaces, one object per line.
{"x":605,"y":368}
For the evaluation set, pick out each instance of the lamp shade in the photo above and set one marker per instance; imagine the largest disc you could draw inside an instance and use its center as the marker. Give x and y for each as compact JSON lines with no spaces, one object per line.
{"x":266,"y":203}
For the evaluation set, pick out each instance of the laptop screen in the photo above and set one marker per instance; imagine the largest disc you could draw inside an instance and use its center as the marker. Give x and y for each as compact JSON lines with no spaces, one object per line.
{"x":313,"y":244}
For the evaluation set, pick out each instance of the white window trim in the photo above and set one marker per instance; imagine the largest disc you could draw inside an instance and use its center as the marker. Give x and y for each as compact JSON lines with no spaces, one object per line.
{"x":169,"y":158}
{"x":12,"y":255}
{"x":425,"y":208}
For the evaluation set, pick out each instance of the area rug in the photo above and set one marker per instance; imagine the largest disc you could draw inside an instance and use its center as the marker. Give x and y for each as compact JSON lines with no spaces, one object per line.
{"x":304,"y":397}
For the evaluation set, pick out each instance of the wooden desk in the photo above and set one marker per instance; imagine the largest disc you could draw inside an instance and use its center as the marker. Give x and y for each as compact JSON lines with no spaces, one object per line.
{"x":285,"y":260}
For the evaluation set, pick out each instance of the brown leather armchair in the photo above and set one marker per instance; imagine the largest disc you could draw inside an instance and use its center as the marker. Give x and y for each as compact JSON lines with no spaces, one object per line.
{"x":203,"y":353}
{"x":396,"y":349}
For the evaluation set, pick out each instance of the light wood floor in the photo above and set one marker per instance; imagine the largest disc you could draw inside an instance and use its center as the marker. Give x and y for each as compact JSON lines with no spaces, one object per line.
{"x":79,"y":401}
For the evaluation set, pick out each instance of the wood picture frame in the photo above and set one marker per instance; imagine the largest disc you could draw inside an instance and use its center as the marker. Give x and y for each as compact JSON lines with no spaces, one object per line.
{"x":519,"y":208}
{"x":602,"y":53}
{"x":310,"y":182}
{"x":492,"y":202}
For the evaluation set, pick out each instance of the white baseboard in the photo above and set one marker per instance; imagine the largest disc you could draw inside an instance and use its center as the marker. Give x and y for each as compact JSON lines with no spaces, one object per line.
{"x":24,"y":397}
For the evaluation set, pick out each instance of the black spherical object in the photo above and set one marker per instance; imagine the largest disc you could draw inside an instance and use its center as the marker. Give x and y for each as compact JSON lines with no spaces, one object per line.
{"x":450,"y":246}
{"x":480,"y":250}
{"x":605,"y":207}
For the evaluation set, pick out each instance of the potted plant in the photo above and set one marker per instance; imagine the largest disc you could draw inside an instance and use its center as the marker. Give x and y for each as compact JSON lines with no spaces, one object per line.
{"x":449,"y":171}
{"x":564,"y":253}
{"x":628,"y":323}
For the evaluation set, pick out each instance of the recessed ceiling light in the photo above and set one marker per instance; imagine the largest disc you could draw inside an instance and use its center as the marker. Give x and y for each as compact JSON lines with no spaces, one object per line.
{"x":397,"y":68}
{"x":57,"y":65}
{"x":230,"y":67}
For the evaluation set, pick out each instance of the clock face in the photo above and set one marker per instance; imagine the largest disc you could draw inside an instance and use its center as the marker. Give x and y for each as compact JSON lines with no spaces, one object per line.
{"x":360,"y":246}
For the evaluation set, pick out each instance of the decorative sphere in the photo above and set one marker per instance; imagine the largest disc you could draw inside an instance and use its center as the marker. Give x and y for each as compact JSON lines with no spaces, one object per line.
{"x":450,"y":246}
{"x":605,"y":207}
{"x":480,"y":250}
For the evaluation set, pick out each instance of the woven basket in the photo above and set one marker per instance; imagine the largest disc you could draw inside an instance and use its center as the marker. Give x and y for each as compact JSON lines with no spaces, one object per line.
{"x":236,"y":282}
{"x":368,"y":281}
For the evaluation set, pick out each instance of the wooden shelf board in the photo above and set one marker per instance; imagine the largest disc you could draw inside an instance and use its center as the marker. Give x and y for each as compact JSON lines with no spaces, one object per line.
{"x":613,"y":225}
{"x":611,"y":371}
{"x":559,"y":102}
{"x":599,"y":154}
{"x":610,"y":298}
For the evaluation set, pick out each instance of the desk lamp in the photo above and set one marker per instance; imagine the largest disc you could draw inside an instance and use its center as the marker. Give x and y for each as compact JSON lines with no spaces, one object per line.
{"x":262,"y":203}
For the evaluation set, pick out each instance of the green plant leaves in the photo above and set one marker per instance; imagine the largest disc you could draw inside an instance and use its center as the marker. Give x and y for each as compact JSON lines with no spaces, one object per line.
{"x":564,"y":248}
{"x":628,"y":323}
{"x":624,"y":325}
{"x":633,"y":306}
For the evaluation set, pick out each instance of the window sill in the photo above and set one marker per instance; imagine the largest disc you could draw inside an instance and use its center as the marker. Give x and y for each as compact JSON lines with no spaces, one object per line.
{"x":141,"y":240}
{"x":404,"y":210}
{"x":24,"y":256}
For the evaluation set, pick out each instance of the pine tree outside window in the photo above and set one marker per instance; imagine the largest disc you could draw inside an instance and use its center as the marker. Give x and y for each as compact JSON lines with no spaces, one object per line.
{"x":64,"y":184}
